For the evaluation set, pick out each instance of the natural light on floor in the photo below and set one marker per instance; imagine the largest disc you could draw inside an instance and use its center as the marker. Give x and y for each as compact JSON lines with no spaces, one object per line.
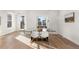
{"x":27,"y":41}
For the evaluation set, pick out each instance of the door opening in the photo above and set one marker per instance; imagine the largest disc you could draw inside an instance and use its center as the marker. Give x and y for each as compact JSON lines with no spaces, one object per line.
{"x":22,"y":22}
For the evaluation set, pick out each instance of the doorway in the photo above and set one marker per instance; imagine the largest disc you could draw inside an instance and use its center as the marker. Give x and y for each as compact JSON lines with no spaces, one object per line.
{"x":22,"y":24}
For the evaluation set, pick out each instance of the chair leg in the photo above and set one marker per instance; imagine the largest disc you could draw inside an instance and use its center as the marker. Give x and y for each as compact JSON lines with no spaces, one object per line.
{"x":32,"y":39}
{"x":47,"y":39}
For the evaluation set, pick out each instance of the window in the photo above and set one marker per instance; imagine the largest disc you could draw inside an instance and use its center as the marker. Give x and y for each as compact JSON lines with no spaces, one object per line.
{"x":9,"y":21}
{"x":41,"y":21}
{"x":22,"y":22}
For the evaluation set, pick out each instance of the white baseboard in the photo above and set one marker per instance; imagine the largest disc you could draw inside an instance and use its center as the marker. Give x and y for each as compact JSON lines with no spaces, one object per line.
{"x":69,"y":39}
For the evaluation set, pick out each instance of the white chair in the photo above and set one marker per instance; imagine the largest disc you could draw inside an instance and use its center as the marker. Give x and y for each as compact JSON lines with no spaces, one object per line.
{"x":42,"y":35}
{"x":35,"y":34}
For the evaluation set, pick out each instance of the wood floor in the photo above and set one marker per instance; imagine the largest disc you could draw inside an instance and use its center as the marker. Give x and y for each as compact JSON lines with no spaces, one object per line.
{"x":9,"y":42}
{"x":56,"y":41}
{"x":60,"y":42}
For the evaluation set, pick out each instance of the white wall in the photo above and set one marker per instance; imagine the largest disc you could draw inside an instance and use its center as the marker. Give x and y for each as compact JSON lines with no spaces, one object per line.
{"x":69,"y":30}
{"x":3,"y":27}
{"x":30,"y":19}
{"x":33,"y":14}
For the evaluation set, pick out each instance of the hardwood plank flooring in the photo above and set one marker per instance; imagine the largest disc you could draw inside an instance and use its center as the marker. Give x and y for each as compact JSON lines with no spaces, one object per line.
{"x":60,"y":42}
{"x":9,"y":42}
{"x":55,"y":40}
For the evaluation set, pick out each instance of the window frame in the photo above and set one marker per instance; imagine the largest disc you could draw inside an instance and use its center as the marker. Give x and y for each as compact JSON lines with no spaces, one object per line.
{"x":9,"y":20}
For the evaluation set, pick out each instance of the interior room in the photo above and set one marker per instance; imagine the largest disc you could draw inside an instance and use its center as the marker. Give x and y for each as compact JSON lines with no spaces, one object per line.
{"x":39,"y":29}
